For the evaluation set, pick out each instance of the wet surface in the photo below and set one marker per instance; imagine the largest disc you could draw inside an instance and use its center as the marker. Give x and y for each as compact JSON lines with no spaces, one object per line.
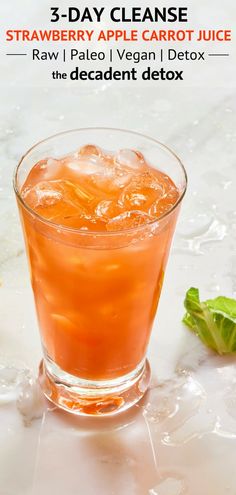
{"x":158,"y":447}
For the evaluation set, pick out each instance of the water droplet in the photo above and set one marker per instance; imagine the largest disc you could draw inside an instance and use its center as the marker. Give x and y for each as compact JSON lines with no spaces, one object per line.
{"x":195,"y":226}
{"x":169,"y":486}
{"x":170,"y":397}
{"x":30,"y":402}
{"x":195,"y":244}
{"x":227,"y":184}
{"x":10,"y":380}
{"x":213,"y":288}
{"x":192,"y":426}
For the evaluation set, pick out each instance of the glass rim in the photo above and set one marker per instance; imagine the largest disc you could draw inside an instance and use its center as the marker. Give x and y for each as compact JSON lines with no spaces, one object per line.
{"x":99,"y":233}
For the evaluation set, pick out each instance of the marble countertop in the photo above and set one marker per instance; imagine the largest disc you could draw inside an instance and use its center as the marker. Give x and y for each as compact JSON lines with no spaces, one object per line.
{"x":181,"y":439}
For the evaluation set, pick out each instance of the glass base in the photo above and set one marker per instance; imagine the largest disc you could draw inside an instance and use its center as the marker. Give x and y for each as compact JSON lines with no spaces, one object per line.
{"x":91,"y":398}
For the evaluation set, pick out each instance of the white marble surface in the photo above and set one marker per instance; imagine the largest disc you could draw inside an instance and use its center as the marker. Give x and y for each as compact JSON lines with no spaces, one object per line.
{"x":181,"y":439}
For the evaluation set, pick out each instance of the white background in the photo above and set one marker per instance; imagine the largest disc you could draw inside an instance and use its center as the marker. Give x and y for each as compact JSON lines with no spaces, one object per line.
{"x":22,"y":71}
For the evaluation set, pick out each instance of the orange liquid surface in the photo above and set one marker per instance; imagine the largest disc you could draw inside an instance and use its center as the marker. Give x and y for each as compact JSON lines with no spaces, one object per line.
{"x":96,"y":296}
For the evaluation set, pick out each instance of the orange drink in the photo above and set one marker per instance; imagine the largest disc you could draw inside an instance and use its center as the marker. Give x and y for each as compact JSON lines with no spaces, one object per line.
{"x":98,"y":221}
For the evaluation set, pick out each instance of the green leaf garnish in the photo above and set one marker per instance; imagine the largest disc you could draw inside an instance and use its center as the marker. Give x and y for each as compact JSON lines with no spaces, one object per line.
{"x":214,"y":321}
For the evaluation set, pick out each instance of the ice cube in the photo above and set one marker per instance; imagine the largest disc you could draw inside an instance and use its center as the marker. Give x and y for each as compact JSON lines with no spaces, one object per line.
{"x":87,"y":161}
{"x":31,"y":403}
{"x":159,"y":208}
{"x":52,"y":169}
{"x":129,"y":158}
{"x":165,"y":203}
{"x":91,"y":187}
{"x":60,"y":201}
{"x":137,"y":199}
{"x":107,"y":209}
{"x":90,"y":151}
{"x":44,"y":170}
{"x":10,"y":381}
{"x":141,"y":192}
{"x":43,"y":194}
{"x":129,"y":220}
{"x":122,"y":179}
{"x":105,"y":183}
{"x":85,"y":167}
{"x":151,"y":180}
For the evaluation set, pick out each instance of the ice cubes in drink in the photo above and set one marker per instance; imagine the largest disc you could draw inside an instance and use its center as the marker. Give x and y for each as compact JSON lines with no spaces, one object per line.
{"x":143,"y":190}
{"x":43,"y":194}
{"x":90,"y":152}
{"x":86,"y":161}
{"x":130,"y":159}
{"x":91,"y":189}
{"x":107,"y":209}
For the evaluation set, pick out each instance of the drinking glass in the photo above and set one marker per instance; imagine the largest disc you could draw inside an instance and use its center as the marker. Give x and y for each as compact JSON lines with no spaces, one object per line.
{"x":96,"y":293}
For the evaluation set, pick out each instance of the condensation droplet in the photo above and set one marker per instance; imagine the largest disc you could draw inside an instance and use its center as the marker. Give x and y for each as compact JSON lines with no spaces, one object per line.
{"x":169,"y":486}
